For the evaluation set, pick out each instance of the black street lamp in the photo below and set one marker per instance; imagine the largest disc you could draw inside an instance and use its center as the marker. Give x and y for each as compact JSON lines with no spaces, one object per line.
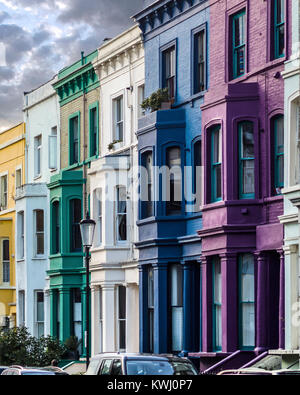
{"x":87,"y":229}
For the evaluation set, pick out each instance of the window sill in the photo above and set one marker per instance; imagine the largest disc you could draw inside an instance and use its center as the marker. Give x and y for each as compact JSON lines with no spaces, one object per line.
{"x":37,"y":177}
{"x":21,"y":260}
{"x":39,"y":257}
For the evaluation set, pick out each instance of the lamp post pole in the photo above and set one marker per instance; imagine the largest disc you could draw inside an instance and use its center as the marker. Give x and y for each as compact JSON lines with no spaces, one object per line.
{"x":87,"y":313}
{"x":87,"y":229}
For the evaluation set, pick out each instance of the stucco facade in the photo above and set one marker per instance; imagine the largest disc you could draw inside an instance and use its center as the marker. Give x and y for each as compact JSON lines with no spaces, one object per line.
{"x":176,"y":39}
{"x":12,"y":160}
{"x":41,"y":116}
{"x":114,"y":264}
{"x":242,"y":237}
{"x":78,"y":89}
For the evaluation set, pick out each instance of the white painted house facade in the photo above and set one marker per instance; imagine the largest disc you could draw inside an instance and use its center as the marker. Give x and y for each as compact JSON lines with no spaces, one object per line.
{"x":291,"y":217}
{"x":41,"y":115}
{"x":113,"y":188}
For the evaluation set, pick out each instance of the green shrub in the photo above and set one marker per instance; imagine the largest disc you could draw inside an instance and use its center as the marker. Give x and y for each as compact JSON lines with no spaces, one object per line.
{"x":18,"y":347}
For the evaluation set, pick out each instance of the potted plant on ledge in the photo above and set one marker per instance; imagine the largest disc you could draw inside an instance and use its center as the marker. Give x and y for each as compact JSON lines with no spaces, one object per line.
{"x":158,"y":100}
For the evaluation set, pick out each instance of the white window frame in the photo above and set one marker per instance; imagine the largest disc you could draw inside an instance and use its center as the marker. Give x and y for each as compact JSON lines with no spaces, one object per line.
{"x":52,"y":140}
{"x":40,"y":232}
{"x":38,"y":155}
{"x":98,"y":215}
{"x":140,"y":112}
{"x":119,"y":320}
{"x":18,"y":169}
{"x":114,"y":100}
{"x":4,"y":194}
{"x":38,"y":323}
{"x":5,"y":261}
{"x":21,"y":234}
{"x":117,"y":215}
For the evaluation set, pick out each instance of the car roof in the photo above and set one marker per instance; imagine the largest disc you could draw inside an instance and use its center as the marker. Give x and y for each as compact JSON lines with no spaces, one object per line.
{"x":160,"y":357}
{"x":259,"y":371}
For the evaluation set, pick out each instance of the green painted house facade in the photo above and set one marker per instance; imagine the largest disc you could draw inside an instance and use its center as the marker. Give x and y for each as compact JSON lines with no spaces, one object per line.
{"x":78,"y":90}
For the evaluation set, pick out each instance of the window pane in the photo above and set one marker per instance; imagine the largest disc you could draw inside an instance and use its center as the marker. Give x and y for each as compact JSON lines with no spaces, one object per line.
{"x":5,"y":256}
{"x":280,"y":11}
{"x":247,"y":140}
{"x":248,"y":177}
{"x":122,"y":302}
{"x":75,"y":220}
{"x":239,"y":30}
{"x":217,"y":282}
{"x":116,"y":368}
{"x":121,"y":214}
{"x":247,"y":300}
{"x":174,"y":164}
{"x":40,"y":221}
{"x":176,"y":285}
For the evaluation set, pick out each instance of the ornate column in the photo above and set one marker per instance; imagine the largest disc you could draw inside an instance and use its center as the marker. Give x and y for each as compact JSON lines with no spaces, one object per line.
{"x":143,"y":309}
{"x":109,"y":318}
{"x":132,"y":318}
{"x":187,"y":307}
{"x":95,"y":318}
{"x":261,"y":305}
{"x":229,"y":302}
{"x":53,"y":293}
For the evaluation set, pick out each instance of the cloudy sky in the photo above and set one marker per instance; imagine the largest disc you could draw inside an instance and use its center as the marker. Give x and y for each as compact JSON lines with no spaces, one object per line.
{"x":39,"y":37}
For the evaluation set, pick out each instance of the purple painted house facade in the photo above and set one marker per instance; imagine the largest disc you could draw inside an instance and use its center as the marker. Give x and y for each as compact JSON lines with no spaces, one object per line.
{"x":242,"y":266}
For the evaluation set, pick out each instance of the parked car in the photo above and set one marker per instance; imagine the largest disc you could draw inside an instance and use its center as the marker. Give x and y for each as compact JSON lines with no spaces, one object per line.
{"x":2,"y":368}
{"x":117,"y":364}
{"x":259,"y":372}
{"x":45,"y":371}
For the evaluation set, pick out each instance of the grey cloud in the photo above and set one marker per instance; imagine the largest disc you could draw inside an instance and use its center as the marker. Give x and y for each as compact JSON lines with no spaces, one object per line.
{"x":3,"y":16}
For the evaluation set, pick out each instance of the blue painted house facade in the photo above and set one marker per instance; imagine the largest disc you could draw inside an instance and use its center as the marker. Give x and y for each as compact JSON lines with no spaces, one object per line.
{"x":176,"y":57}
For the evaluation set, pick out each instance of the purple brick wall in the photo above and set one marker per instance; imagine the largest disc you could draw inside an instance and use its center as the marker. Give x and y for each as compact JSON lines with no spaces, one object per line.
{"x":234,"y":226}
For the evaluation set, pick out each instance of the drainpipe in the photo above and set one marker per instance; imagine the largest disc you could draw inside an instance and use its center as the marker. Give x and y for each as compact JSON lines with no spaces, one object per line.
{"x":85,"y":206}
{"x":131,"y":158}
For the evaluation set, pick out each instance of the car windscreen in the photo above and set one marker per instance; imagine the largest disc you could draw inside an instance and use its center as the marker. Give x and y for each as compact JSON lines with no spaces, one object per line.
{"x":24,"y":373}
{"x":158,"y":368}
{"x":93,"y":367}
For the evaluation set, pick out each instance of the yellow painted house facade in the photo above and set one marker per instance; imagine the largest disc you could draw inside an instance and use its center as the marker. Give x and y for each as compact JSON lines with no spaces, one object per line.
{"x":12,"y":176}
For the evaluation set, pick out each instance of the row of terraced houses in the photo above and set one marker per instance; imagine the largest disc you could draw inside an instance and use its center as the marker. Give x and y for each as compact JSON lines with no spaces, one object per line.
{"x":203,"y":263}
